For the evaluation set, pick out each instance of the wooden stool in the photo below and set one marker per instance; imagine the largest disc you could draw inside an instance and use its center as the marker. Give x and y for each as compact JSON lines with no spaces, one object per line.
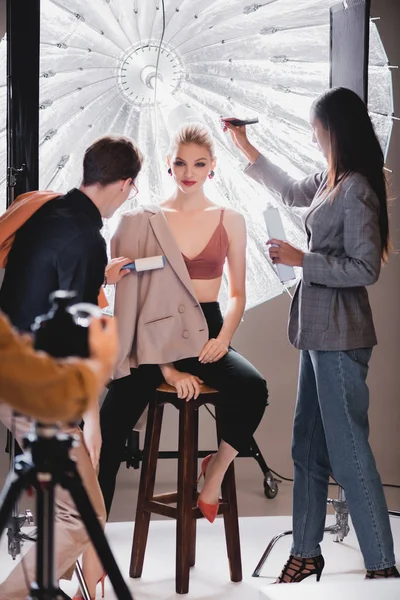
{"x":186,"y":511}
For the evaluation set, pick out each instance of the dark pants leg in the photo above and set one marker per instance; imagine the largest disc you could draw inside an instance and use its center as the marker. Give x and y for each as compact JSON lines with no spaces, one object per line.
{"x":125,"y":402}
{"x":242,"y":399}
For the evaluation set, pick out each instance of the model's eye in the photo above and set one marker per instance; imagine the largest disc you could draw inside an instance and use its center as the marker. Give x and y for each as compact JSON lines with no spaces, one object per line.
{"x":200,"y":164}
{"x":179,"y":163}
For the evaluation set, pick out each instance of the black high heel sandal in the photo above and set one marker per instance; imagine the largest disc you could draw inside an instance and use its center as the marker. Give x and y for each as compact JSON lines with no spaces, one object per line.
{"x":383,"y":573}
{"x":297,"y":569}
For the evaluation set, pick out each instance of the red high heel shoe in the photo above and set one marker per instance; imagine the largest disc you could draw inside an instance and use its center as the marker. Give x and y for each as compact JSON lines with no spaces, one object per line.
{"x":102,"y":579}
{"x":209,"y":511}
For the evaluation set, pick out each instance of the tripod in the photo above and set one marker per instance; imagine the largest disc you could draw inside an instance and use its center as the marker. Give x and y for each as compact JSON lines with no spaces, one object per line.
{"x":45,"y":465}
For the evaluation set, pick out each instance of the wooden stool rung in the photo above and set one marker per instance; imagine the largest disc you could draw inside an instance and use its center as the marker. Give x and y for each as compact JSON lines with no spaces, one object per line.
{"x":169,"y":498}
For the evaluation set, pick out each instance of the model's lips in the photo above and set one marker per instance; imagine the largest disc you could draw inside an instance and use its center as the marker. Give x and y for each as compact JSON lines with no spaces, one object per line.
{"x":189,"y":183}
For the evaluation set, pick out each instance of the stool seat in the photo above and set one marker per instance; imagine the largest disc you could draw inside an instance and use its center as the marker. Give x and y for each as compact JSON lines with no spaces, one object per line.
{"x":169,"y":389}
{"x":181,"y":504}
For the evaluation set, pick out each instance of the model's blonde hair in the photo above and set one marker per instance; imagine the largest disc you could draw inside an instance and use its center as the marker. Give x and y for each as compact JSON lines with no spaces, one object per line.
{"x":192,"y":133}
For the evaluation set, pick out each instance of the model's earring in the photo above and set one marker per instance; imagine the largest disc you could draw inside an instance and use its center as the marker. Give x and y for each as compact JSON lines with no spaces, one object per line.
{"x":211,"y":175}
{"x":170,"y":171}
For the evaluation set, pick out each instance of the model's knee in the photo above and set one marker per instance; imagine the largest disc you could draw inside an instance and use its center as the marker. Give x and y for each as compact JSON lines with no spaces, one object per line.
{"x":257,"y":390}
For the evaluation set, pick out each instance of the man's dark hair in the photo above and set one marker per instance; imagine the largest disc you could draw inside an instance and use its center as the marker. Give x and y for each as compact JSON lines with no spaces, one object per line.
{"x":110,"y":159}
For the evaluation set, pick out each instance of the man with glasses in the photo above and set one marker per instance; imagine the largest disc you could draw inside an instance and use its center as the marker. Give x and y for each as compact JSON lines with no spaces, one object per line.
{"x":61,"y":247}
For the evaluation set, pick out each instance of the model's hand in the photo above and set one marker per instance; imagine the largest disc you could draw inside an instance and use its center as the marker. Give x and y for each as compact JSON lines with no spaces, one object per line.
{"x":113,"y":269}
{"x":284,"y":253}
{"x":187,"y":386}
{"x":213,"y":351}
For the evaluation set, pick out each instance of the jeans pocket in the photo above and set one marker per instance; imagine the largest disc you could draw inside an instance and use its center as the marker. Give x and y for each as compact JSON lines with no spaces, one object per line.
{"x":360,"y":355}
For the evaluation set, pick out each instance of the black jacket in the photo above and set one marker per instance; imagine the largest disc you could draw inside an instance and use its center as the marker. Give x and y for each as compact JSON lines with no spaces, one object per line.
{"x":59,"y":247}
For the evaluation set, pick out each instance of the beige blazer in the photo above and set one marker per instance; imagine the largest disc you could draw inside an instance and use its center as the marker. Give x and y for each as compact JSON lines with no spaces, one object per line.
{"x":159,"y":317}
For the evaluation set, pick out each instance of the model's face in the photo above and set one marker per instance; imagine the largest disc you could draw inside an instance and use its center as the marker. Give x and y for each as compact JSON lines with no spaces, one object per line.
{"x":190,"y":167}
{"x":320,"y":136}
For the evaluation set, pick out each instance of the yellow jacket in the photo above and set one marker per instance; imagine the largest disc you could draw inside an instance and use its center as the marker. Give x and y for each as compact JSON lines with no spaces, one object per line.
{"x":37,"y":385}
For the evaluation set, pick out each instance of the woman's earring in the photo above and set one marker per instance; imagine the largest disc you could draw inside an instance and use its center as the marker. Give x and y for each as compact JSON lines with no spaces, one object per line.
{"x":170,"y":171}
{"x":211,"y":175}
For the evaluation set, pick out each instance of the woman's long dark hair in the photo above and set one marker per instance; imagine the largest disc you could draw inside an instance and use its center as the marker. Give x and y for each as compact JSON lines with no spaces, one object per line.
{"x":354,"y":147}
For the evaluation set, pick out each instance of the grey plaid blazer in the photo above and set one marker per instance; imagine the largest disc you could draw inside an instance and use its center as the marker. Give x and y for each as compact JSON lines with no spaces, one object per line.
{"x":330,"y":309}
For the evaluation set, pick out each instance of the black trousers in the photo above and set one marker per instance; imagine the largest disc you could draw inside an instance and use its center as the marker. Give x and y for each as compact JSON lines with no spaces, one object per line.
{"x":242,"y":400}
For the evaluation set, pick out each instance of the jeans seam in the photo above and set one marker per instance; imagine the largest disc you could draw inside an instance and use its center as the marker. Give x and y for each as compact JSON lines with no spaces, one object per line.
{"x":305,"y":520}
{"x":378,"y":533}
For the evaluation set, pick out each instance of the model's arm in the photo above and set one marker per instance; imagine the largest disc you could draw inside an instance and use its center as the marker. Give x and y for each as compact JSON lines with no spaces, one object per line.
{"x":47,"y":389}
{"x":125,"y":242}
{"x":236,"y":259}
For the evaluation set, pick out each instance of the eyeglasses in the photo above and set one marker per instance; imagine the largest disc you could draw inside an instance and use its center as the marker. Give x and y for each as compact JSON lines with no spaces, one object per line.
{"x":134,"y":191}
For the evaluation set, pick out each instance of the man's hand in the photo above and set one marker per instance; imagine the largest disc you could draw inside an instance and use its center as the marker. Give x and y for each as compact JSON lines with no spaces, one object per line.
{"x":213,"y":351}
{"x":113,"y":269}
{"x":187,"y":386}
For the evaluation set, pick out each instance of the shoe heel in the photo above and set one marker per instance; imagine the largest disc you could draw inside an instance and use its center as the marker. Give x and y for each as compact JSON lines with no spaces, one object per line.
{"x":318,"y":576}
{"x":102,"y":583}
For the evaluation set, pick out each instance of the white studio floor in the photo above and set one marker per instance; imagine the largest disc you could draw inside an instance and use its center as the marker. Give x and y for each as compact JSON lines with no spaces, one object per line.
{"x":343,"y":576}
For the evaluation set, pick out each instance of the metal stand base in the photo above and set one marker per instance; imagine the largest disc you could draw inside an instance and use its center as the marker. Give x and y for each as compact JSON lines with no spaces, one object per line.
{"x":340,"y":529}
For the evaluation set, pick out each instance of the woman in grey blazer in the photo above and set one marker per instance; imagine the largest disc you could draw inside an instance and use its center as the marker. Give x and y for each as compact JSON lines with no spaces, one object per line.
{"x":346,"y":222}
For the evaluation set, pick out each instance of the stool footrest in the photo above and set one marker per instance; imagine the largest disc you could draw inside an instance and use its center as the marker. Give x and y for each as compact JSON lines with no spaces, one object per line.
{"x":159,"y":506}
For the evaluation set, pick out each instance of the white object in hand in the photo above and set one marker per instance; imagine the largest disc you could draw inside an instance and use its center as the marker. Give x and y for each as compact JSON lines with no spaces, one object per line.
{"x":145,"y":264}
{"x":149,"y":264}
{"x":275,"y":230}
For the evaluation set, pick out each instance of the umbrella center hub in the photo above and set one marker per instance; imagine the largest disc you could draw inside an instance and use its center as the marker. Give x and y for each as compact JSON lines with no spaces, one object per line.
{"x":144,"y":70}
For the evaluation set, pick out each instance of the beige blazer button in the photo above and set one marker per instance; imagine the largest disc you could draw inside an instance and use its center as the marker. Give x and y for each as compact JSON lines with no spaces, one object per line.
{"x":181,"y":308}
{"x":186,"y":334}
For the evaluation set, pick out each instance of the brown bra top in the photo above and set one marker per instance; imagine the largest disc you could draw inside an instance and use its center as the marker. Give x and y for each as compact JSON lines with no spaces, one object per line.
{"x":209,"y":263}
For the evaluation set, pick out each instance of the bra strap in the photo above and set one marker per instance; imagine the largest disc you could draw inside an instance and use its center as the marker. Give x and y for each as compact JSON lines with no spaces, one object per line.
{"x":222,"y":215}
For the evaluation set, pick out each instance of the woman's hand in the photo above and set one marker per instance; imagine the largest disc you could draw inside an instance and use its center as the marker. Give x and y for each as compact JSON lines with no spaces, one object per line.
{"x":281,"y":252}
{"x":238,"y":134}
{"x":113,"y":269}
{"x":92,"y":438}
{"x":213,"y":351}
{"x":187,"y":386}
{"x":240,"y":139}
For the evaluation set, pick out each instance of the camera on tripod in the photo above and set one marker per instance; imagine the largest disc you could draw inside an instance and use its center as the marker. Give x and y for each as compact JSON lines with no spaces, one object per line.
{"x":64,"y":330}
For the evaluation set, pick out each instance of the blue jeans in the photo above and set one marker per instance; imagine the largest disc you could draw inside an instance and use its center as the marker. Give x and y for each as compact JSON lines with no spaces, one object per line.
{"x":330,"y":435}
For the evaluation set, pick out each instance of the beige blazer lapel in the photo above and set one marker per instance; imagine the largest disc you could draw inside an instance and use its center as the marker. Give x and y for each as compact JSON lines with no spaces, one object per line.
{"x":170,"y":248}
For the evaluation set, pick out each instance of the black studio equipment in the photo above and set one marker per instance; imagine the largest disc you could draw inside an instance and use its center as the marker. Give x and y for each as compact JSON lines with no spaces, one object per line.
{"x":62,"y":332}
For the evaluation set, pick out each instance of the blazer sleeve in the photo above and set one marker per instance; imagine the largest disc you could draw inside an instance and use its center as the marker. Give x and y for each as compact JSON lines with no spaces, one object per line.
{"x":362,"y":245}
{"x":292,"y":192}
{"x":125,"y":242}
{"x":40,"y":386}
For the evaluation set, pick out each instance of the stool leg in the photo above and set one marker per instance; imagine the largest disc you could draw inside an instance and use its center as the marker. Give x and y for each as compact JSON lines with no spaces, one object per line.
{"x":231,"y":523}
{"x":231,"y":517}
{"x":195,"y":458}
{"x":186,"y":477}
{"x":146,"y":488}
